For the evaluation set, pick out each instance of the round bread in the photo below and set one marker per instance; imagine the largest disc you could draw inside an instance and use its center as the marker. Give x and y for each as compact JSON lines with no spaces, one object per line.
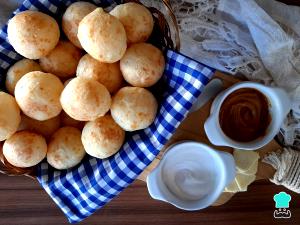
{"x":18,"y":70}
{"x":38,"y":93}
{"x":25,"y":149}
{"x":33,"y":34}
{"x":72,"y":17}
{"x":67,"y":82}
{"x":45,"y":128}
{"x":134,"y":108}
{"x":85,"y":99}
{"x":62,"y":60}
{"x":103,"y":137}
{"x":102,"y":36}
{"x":65,"y":149}
{"x":136,"y":19}
{"x":10,"y":117}
{"x":67,"y":121}
{"x":142,"y":65}
{"x":108,"y":74}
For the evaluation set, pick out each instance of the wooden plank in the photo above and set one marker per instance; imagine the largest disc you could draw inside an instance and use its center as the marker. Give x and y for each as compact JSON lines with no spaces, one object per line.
{"x":18,"y":183}
{"x":33,"y":207}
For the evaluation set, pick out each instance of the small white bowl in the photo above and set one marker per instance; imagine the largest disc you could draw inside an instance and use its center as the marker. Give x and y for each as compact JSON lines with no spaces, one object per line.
{"x":280,"y":105}
{"x":220,"y":165}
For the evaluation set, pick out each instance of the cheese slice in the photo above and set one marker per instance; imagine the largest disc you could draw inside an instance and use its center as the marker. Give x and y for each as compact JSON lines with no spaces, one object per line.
{"x":253,"y":169}
{"x":232,"y":187}
{"x":244,"y":180}
{"x":240,"y":183}
{"x":246,"y":166}
{"x":245,"y":160}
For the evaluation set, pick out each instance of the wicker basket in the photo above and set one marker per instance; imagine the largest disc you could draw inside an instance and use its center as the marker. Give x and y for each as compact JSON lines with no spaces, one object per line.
{"x":161,"y":37}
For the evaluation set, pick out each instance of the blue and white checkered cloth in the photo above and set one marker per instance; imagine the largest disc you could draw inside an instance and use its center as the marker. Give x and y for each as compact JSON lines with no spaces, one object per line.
{"x":80,"y":191}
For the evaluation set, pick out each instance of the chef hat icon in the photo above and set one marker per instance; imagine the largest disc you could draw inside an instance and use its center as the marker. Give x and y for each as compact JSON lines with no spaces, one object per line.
{"x":282,"y":200}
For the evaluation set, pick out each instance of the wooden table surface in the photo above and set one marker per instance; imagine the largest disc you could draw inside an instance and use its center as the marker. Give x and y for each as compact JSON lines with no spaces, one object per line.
{"x":23,"y":202}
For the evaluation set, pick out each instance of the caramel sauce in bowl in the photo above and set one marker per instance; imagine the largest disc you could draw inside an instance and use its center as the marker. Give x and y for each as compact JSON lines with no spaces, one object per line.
{"x":247,"y":116}
{"x":244,"y":115}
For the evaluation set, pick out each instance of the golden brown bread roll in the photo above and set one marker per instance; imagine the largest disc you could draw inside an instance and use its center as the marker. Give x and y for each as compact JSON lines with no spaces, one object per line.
{"x":25,"y":149}
{"x":65,"y":149}
{"x":142,"y":65}
{"x":45,"y":128}
{"x":33,"y":34}
{"x":133,"y":108}
{"x":67,"y":121}
{"x":10,"y":117}
{"x":108,"y":74}
{"x":85,"y":99}
{"x":18,"y":70}
{"x":103,"y":137}
{"x":62,"y":61}
{"x":102,"y":36}
{"x":38,"y":94}
{"x":137,"y":20}
{"x":67,"y":81}
{"x":72,"y":17}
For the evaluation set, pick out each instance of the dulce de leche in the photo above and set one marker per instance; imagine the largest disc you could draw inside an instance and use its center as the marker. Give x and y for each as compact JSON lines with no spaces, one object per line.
{"x":244,"y":115}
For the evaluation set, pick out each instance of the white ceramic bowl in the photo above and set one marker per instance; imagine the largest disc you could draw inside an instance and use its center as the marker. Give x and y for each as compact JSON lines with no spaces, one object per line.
{"x":220,"y":165}
{"x":279,"y":107}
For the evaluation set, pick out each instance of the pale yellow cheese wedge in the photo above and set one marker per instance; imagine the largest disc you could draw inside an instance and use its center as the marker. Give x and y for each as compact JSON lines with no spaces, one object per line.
{"x":232,"y":188}
{"x":246,"y":167}
{"x":244,"y":180}
{"x":253,"y":169}
{"x":244,"y":160}
{"x":240,"y":183}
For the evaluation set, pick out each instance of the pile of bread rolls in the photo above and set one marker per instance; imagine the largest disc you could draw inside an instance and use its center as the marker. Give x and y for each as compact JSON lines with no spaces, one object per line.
{"x":76,"y":96}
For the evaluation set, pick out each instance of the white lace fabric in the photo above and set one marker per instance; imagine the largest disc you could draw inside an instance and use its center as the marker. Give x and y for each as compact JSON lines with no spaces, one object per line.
{"x":216,"y":42}
{"x":256,"y":39}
